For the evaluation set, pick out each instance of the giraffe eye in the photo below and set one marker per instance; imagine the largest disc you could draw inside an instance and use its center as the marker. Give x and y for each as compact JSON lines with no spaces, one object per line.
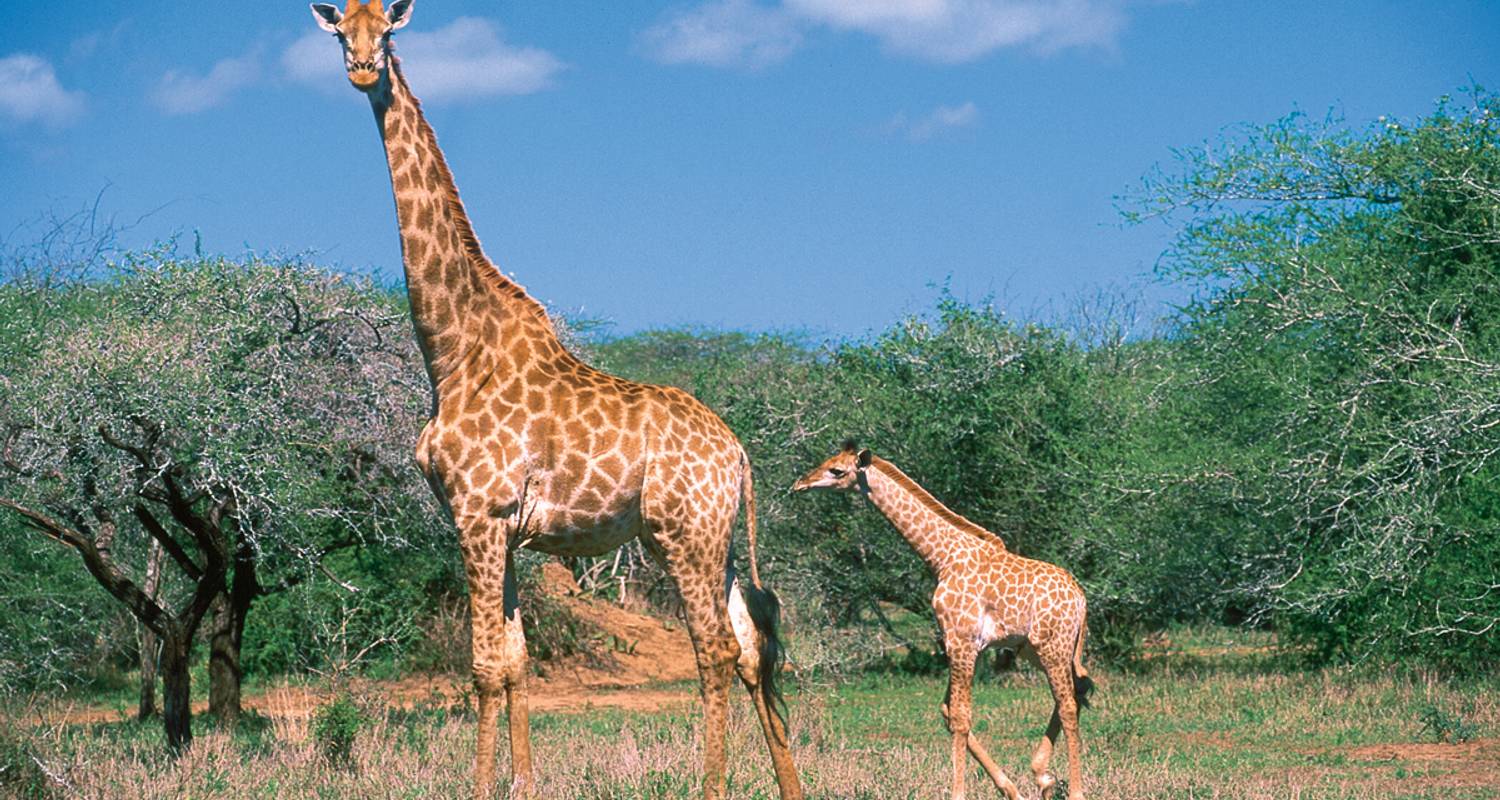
{"x":835,"y":472}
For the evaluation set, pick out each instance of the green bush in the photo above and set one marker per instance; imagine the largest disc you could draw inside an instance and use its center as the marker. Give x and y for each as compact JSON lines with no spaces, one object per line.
{"x":335,"y":727}
{"x":21,"y":773}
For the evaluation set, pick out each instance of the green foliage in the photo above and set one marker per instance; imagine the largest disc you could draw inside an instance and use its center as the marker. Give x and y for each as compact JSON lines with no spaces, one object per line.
{"x":335,"y":727}
{"x":56,"y":628}
{"x":21,"y":773}
{"x":1310,"y":447}
{"x":1345,"y":338}
{"x":273,"y":402}
{"x":1446,"y":726}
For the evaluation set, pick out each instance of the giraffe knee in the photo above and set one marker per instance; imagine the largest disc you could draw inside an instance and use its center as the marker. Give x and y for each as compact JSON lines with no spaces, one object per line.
{"x":718,"y":655}
{"x":1040,"y":761}
{"x":503,"y":664}
{"x":1067,"y":710}
{"x":959,"y":719}
{"x":489,"y":677}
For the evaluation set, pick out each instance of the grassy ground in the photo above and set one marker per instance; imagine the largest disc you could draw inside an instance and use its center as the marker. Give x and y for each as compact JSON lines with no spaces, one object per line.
{"x":1222,"y":726}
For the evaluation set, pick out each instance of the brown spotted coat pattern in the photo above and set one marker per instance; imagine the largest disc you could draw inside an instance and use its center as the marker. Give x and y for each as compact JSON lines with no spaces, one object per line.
{"x":985,"y":595}
{"x":530,"y":447}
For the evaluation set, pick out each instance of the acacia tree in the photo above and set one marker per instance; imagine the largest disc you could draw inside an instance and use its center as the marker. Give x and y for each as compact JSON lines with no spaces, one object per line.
{"x":248,"y":419}
{"x":1347,"y":331}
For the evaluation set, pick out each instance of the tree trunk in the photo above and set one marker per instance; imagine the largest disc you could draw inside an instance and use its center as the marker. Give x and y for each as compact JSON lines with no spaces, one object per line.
{"x":224,"y":673}
{"x":176,"y":684}
{"x":227,"y":634}
{"x":150,"y":644}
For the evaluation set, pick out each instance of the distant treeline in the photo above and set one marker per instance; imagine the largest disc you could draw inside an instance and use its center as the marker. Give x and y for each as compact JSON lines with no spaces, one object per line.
{"x":1310,"y":445}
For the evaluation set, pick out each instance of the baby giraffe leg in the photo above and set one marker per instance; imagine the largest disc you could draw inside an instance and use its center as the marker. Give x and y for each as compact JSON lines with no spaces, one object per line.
{"x":1002,"y":782}
{"x":1042,"y":758}
{"x":958,"y":710}
{"x":1058,"y":664}
{"x":1068,"y":709}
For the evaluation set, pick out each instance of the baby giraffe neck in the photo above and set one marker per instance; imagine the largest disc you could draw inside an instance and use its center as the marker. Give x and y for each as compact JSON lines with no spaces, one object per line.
{"x":933,"y":538}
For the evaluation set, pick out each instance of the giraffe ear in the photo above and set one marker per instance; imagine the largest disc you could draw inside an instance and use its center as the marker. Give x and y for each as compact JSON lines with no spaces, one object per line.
{"x":327,"y":16}
{"x":865,"y":457}
{"x":399,"y":13}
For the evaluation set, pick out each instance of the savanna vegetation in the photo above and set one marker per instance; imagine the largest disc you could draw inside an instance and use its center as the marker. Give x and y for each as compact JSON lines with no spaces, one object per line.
{"x":204,"y":470}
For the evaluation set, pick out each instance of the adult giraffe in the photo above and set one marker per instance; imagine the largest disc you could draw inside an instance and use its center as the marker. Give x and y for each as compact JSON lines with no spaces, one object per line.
{"x":985,"y":595}
{"x":530,"y":447}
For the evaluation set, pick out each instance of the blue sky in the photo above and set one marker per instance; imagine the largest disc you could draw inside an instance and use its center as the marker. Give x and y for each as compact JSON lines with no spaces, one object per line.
{"x":748,"y":164}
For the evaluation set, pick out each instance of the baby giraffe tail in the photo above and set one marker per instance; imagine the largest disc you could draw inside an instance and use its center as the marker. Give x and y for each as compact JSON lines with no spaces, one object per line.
{"x":1083,"y":685}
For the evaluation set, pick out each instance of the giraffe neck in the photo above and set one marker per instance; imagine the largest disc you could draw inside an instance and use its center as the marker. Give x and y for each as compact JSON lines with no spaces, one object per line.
{"x":462,"y":306}
{"x":933,"y":530}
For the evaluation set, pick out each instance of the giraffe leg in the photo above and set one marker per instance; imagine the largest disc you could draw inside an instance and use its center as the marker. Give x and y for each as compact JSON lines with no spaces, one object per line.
{"x":700,"y":583}
{"x":1042,"y":758}
{"x":484,"y":747}
{"x":1002,"y":782}
{"x":771,"y":723}
{"x":1067,"y":709}
{"x":499,"y":655}
{"x":716,"y":652}
{"x":522,"y":781}
{"x":957,"y":710}
{"x":997,"y":775}
{"x":1057,"y":662}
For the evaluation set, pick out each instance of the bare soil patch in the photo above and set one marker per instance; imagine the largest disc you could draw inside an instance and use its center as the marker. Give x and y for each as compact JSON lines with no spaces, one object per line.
{"x":1487,"y":750}
{"x":1402,"y":767}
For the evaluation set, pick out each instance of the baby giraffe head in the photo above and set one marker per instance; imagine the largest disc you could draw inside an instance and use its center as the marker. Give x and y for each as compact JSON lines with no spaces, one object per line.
{"x":843,"y":472}
{"x":364,"y":30}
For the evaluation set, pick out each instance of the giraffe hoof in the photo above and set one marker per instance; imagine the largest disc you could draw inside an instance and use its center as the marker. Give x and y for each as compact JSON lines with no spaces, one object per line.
{"x":1047,"y":783}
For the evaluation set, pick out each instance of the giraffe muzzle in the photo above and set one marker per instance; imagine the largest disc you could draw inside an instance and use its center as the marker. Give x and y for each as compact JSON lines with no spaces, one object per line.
{"x":364,"y":78}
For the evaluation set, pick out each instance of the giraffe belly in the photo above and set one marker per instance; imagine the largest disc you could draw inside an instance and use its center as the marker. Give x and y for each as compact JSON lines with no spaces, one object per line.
{"x":564,"y":532}
{"x":993,"y":629}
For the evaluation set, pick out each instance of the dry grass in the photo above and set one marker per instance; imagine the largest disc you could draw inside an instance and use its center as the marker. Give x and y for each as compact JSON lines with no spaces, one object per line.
{"x":1196,"y":731}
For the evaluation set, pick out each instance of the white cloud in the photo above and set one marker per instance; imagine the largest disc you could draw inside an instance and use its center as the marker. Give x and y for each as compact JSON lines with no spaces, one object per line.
{"x":29,"y":92}
{"x":315,"y":59}
{"x":934,"y":122}
{"x":964,"y":30}
{"x":468,"y":58}
{"x":724,"y":33}
{"x":96,"y":42}
{"x":181,"y":93}
{"x":933,"y":30}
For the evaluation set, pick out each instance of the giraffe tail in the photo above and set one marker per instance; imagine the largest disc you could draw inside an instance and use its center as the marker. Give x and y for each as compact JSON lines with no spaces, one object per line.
{"x":764,"y":609}
{"x":747,"y":492}
{"x":1083,"y":685}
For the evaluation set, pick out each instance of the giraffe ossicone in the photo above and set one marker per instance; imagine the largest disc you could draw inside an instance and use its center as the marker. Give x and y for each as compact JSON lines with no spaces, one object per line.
{"x":527,"y":445}
{"x":985,"y":596}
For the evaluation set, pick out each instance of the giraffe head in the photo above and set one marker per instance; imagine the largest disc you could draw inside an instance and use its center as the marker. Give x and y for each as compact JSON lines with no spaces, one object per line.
{"x":364,"y":31}
{"x":841,"y":472}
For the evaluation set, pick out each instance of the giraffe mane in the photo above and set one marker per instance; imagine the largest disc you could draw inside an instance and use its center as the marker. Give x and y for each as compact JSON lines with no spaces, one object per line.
{"x":482,"y":266}
{"x":932,"y":504}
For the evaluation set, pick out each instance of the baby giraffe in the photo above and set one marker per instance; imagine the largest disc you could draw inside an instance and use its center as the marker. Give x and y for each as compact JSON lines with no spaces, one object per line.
{"x":985,"y":595}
